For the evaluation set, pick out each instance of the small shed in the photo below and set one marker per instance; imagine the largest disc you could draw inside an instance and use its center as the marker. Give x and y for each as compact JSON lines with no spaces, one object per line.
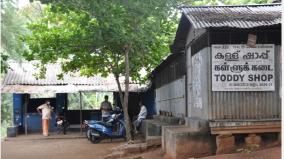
{"x":20,"y":81}
{"x":225,"y":68}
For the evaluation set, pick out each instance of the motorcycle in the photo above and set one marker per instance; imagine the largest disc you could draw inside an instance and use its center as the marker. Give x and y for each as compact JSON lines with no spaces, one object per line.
{"x":114,"y":127}
{"x":62,"y":124}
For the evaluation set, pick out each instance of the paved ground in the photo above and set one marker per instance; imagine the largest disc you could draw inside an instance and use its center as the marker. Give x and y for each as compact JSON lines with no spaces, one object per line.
{"x":58,"y":147}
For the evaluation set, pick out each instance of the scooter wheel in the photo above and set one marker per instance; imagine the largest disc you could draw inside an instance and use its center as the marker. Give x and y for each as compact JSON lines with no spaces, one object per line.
{"x":95,"y":139}
{"x":88,"y":134}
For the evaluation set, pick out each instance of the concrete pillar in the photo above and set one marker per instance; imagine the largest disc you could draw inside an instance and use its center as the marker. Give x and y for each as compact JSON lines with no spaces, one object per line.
{"x":253,"y":139}
{"x":225,"y":144}
{"x":278,"y":140}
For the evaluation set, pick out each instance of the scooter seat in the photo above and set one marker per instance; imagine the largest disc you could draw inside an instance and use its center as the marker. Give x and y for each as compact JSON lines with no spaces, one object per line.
{"x":104,"y":123}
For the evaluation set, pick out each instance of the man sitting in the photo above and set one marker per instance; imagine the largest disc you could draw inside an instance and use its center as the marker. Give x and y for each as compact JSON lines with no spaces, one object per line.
{"x":141,"y":116}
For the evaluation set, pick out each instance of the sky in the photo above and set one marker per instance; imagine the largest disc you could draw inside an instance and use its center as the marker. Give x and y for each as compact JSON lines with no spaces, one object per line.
{"x":22,"y":3}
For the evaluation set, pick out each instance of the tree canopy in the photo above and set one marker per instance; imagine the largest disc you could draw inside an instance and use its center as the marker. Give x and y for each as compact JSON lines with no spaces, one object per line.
{"x":92,"y":36}
{"x":119,"y":37}
{"x":12,"y":27}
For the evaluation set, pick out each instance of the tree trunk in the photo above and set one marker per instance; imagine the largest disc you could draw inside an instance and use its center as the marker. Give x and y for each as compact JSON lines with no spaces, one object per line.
{"x":119,"y":89}
{"x":124,"y":100}
{"x":126,"y":94}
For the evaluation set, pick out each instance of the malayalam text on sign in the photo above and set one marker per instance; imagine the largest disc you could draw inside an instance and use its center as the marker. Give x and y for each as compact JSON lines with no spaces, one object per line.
{"x":242,"y":68}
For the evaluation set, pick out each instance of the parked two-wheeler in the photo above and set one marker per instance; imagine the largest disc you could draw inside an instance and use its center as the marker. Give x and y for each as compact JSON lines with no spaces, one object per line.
{"x":62,"y":124}
{"x":99,"y":130}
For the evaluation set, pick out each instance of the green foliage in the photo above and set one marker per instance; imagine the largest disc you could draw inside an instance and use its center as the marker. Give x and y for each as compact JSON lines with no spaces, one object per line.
{"x":43,"y":95}
{"x":91,"y":100}
{"x":32,"y":11}
{"x":12,"y":27}
{"x":104,"y":37}
{"x":91,"y":36}
{"x":4,"y":65}
{"x":101,"y":36}
{"x":6,"y":112}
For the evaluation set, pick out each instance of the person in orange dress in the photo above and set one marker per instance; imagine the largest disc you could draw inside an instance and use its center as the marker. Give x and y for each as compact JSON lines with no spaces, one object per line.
{"x":45,"y":111}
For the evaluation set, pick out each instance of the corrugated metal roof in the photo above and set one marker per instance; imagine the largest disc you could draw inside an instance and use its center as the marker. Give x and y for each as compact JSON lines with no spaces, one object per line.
{"x":23,"y":74}
{"x":20,"y":79}
{"x":68,"y":88}
{"x":244,"y":16}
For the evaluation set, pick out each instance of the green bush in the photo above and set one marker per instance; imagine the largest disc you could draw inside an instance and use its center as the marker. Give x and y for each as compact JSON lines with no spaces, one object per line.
{"x":6,"y":112}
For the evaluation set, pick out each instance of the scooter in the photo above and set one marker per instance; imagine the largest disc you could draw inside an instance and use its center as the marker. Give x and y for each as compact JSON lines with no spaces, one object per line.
{"x":99,"y":130}
{"x":62,"y":124}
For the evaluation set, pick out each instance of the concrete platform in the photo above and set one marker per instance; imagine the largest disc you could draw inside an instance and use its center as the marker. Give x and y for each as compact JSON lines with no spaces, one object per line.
{"x":184,"y":142}
{"x":165,"y":135}
{"x":154,"y":127}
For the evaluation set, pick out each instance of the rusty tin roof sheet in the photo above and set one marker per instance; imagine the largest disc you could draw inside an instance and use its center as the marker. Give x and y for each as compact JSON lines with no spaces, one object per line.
{"x":243,"y":16}
{"x":20,"y":79}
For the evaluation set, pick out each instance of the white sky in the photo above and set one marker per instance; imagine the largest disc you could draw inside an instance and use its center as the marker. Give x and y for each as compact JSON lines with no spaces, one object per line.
{"x":22,"y":3}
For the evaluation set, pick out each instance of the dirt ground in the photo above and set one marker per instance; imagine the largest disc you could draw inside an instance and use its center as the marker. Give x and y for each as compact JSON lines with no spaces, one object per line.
{"x":154,"y":153}
{"x":58,"y":148}
{"x":78,"y":147}
{"x":270,"y":153}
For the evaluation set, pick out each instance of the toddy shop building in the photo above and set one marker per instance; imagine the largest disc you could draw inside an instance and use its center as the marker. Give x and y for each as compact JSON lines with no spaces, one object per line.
{"x":226,"y":62}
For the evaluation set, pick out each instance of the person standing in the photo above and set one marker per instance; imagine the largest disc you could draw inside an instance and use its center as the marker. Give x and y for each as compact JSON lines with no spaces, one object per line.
{"x":45,"y":111}
{"x":106,"y":109}
{"x":141,"y":116}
